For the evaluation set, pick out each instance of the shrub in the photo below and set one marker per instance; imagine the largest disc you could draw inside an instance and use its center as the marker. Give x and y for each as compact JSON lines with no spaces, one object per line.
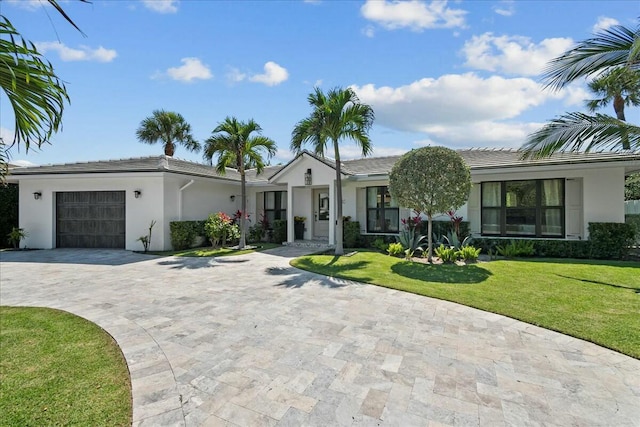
{"x":15,"y":236}
{"x":395,"y":249}
{"x":146,"y":240}
{"x":279,"y":230}
{"x":8,"y":210}
{"x":469,"y":253}
{"x":634,"y":220}
{"x":611,"y":240}
{"x":379,"y":243}
{"x":220,"y":229}
{"x":516,"y":248}
{"x":255,"y":233}
{"x":446,"y":254}
{"x":351,"y":234}
{"x":443,"y":228}
{"x":184,"y":233}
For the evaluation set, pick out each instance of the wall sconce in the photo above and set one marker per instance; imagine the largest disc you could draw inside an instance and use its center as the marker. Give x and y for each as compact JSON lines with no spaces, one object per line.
{"x":37,"y":195}
{"x":307,"y":177}
{"x":232,"y":198}
{"x":137,"y":193}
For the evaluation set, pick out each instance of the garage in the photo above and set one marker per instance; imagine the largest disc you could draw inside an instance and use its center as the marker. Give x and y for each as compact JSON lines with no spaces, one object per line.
{"x":90,"y":219}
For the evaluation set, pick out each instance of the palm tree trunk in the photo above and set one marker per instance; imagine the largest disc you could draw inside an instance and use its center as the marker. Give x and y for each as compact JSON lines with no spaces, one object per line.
{"x":243,"y":216}
{"x":618,"y":106}
{"x":169,"y":149}
{"x":339,"y":224}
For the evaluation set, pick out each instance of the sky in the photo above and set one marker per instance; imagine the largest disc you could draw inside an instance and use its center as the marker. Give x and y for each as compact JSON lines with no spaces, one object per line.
{"x":461,"y":74}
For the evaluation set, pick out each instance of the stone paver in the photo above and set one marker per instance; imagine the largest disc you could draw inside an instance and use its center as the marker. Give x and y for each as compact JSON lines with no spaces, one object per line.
{"x":249,"y":340}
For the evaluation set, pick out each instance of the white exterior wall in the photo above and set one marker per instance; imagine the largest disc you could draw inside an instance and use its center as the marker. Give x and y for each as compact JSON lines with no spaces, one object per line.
{"x":37,"y":217}
{"x":323,"y":176}
{"x":602,"y":186}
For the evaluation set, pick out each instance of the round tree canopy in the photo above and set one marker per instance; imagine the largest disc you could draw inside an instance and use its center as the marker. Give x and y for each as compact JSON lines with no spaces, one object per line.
{"x":431,"y":180}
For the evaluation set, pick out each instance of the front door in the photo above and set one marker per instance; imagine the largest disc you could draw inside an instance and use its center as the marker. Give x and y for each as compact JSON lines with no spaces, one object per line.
{"x":321,"y":214}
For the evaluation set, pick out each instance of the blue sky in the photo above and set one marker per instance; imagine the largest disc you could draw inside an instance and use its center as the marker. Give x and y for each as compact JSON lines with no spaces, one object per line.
{"x":459,"y":73}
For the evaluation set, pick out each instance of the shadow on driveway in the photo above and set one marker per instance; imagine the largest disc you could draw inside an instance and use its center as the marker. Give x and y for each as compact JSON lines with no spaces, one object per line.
{"x":112,"y":257}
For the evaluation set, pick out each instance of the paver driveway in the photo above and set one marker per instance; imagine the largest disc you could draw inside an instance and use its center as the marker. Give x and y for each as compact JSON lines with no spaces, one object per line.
{"x":249,"y":340}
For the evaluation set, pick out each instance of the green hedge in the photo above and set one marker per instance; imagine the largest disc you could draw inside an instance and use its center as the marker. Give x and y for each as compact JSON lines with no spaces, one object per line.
{"x":184,"y":233}
{"x":351,"y":234}
{"x":634,"y":220}
{"x":8,"y":212}
{"x":607,"y":240}
{"x":279,"y":230}
{"x":611,"y":240}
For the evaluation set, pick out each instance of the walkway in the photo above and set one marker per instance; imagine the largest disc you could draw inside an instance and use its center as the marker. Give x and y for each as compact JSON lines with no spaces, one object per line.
{"x":251,"y":341}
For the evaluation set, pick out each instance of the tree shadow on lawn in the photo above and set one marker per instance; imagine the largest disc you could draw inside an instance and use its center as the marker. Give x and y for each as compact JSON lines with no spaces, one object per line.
{"x":299,"y":278}
{"x":462,"y":274}
{"x":597,"y":282}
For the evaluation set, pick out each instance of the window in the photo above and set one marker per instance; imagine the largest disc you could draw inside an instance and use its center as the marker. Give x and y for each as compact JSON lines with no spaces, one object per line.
{"x":533,"y":208}
{"x":275,"y":205}
{"x":382,"y":211}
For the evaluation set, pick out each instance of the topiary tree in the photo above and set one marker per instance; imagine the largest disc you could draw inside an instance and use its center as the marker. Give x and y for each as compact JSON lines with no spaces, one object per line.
{"x":430,"y":180}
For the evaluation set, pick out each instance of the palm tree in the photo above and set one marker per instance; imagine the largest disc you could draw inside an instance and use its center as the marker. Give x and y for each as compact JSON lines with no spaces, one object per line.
{"x":620,"y":86}
{"x":169,"y":128}
{"x":36,"y":94}
{"x":235,"y":147}
{"x":610,"y":55}
{"x":337,"y":115}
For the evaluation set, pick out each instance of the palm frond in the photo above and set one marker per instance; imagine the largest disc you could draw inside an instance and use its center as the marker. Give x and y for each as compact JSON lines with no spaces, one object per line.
{"x":575,"y":132}
{"x":34,"y":91}
{"x":615,"y":46}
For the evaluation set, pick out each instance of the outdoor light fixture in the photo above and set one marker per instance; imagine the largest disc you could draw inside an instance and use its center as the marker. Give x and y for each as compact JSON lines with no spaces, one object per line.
{"x":37,"y":195}
{"x":137,"y":193}
{"x":233,"y":197}
{"x":307,"y":177}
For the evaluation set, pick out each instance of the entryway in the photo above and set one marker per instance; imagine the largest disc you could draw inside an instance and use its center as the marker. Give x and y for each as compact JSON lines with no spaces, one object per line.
{"x":321,"y":214}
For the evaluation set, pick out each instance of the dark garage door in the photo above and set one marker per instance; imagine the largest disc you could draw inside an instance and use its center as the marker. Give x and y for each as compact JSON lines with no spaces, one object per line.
{"x":90,"y":219}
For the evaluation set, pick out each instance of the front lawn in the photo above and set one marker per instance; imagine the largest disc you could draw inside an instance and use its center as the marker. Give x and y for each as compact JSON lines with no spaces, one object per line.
{"x":208,"y":251}
{"x":598,"y":301}
{"x":59,"y":369}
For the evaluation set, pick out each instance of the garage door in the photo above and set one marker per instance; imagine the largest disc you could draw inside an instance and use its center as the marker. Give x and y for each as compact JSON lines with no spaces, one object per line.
{"x":90,"y":219}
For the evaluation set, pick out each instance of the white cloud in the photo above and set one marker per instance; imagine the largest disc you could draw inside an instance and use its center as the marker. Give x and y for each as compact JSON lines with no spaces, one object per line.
{"x":235,"y":75}
{"x":6,"y":136}
{"x":505,"y":8}
{"x":22,"y":163}
{"x":604,"y":23}
{"x":162,"y":6}
{"x":192,"y":69}
{"x":82,"y":53}
{"x":512,"y":54}
{"x":273,"y":75}
{"x":459,"y":109}
{"x":369,"y":31}
{"x":29,"y":5}
{"x":414,"y":14}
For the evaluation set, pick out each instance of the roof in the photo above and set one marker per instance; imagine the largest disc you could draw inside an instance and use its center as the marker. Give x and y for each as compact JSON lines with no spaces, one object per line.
{"x":483,"y":158}
{"x":477,"y":159}
{"x":143,"y":164}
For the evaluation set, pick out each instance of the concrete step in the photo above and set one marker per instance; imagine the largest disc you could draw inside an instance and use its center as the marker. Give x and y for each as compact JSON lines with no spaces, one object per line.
{"x":315,"y":244}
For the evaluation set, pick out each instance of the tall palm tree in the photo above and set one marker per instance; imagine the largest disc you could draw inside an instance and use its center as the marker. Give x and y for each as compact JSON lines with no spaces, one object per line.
{"x":615,"y":48}
{"x":336,"y":115}
{"x":620,"y":86}
{"x":235,"y":147}
{"x":169,"y":128}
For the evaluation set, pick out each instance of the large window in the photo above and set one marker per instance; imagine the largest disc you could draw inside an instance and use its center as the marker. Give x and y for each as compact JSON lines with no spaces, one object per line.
{"x":275,"y":205}
{"x":382,"y":211}
{"x":533,"y":208}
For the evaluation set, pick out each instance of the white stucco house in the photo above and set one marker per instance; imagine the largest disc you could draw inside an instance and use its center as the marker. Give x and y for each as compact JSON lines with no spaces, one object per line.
{"x":111,"y":203}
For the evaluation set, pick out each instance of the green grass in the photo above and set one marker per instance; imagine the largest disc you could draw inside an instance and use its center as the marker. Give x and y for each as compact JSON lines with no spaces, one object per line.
{"x":598,"y":301}
{"x":208,"y":251}
{"x":59,"y":369}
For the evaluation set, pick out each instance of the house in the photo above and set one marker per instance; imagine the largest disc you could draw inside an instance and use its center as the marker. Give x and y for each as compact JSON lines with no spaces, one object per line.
{"x":111,"y":203}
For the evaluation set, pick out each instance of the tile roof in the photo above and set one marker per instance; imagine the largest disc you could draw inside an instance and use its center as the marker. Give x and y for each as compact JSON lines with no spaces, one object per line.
{"x":143,"y":164}
{"x":477,"y":159}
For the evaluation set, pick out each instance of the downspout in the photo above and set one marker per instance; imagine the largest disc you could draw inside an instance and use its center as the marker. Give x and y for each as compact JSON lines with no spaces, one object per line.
{"x":180,"y":198}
